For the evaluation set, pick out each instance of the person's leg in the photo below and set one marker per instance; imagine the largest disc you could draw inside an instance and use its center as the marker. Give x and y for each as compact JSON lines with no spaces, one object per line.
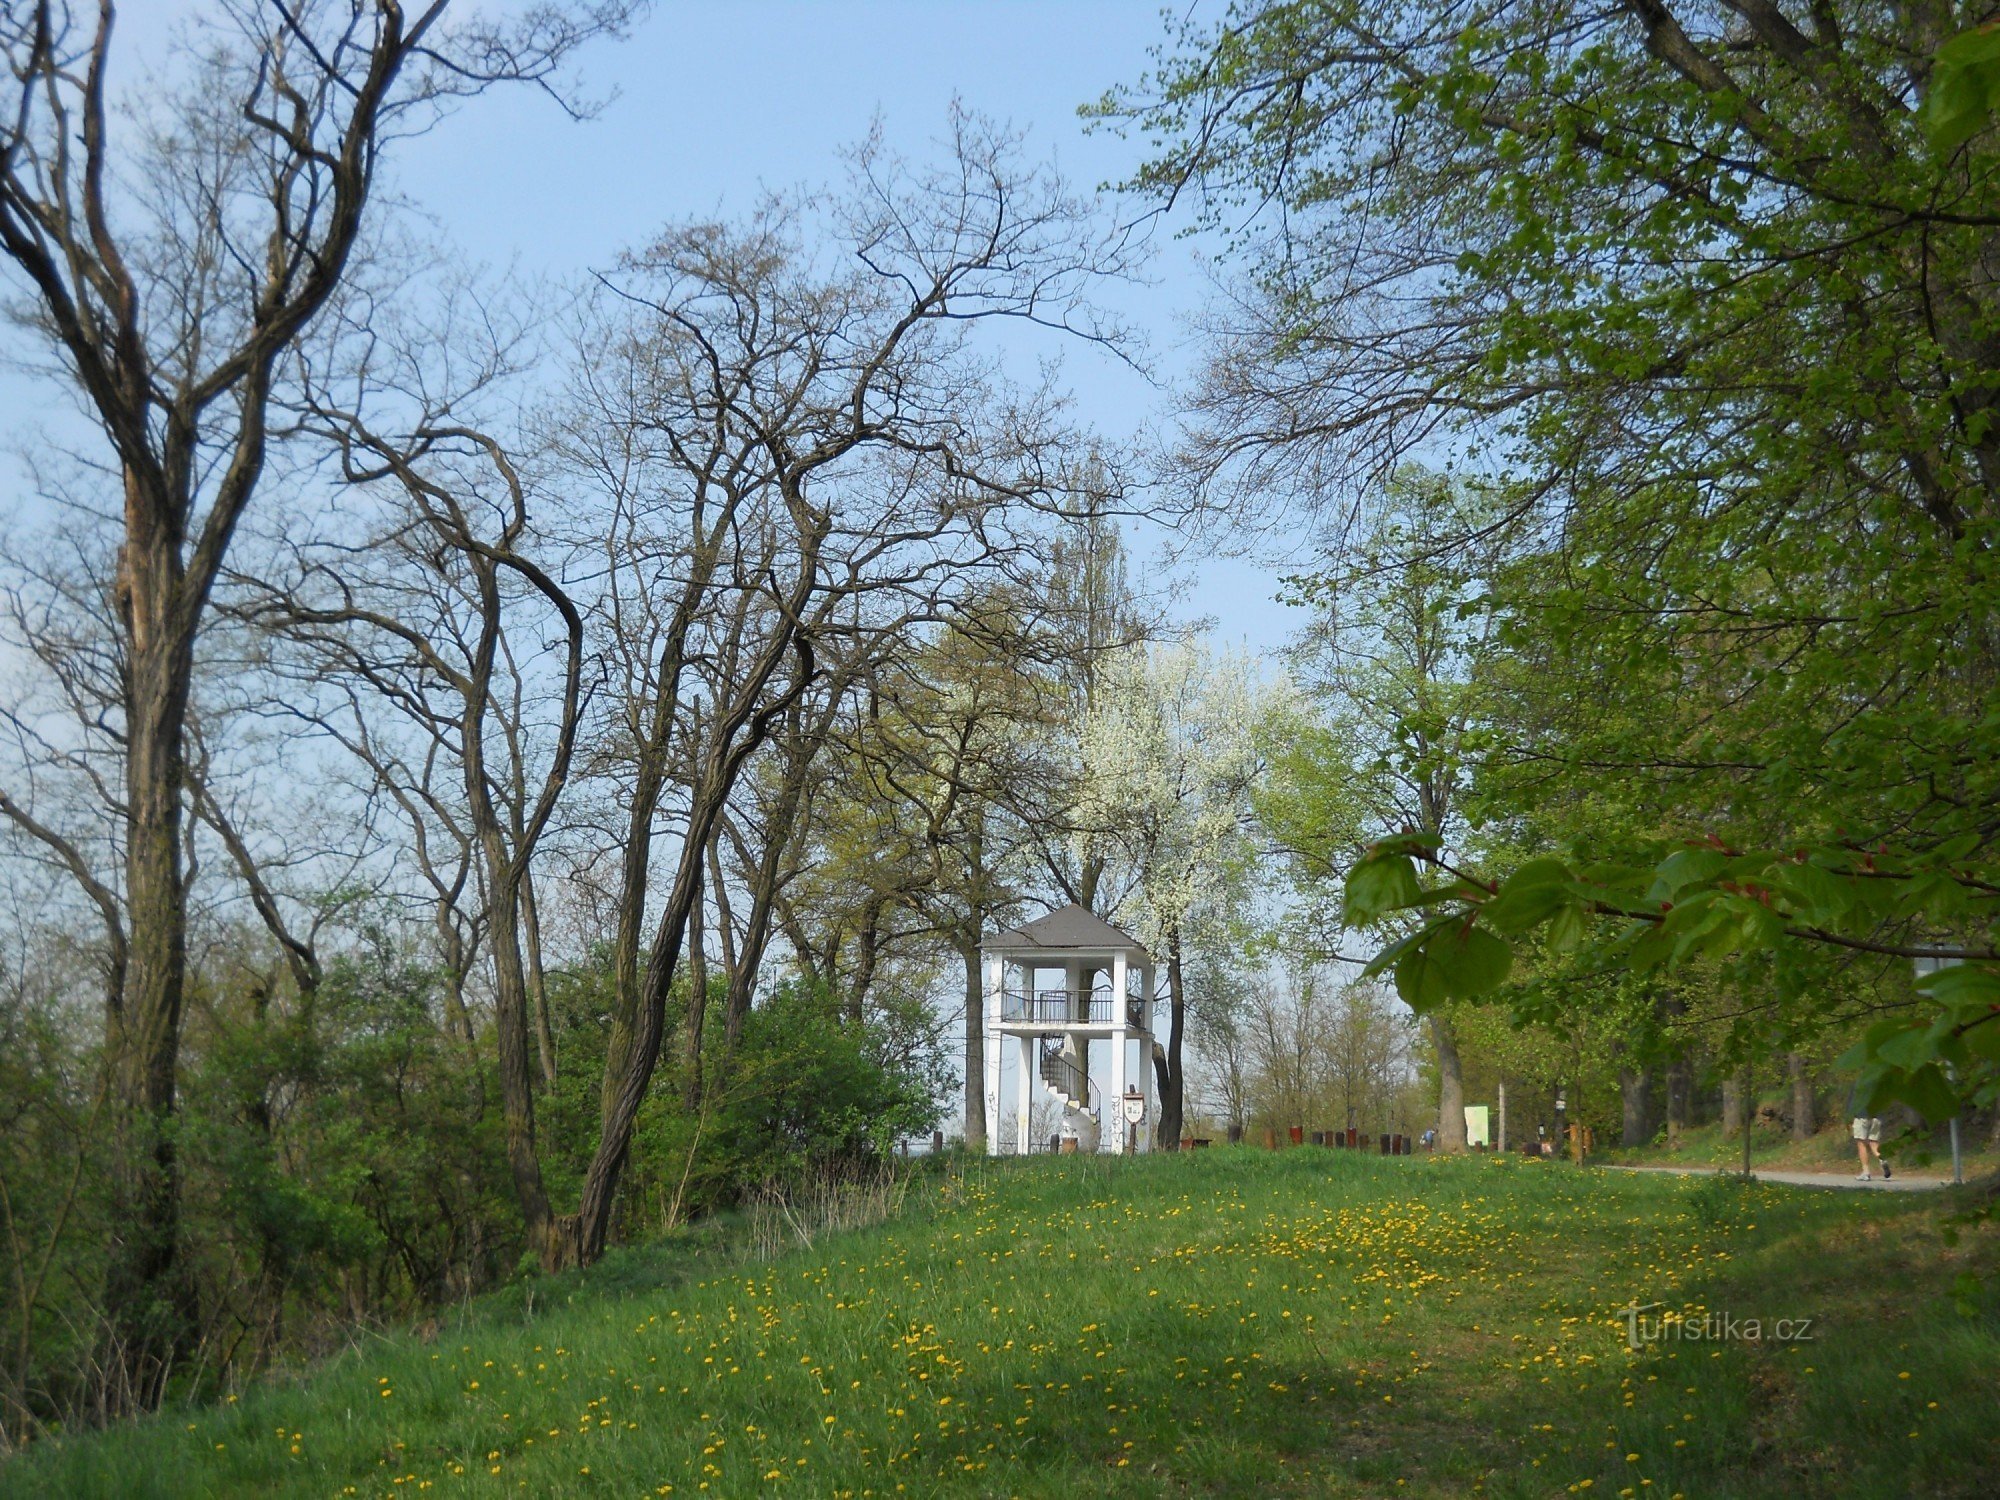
{"x":1861,"y":1150}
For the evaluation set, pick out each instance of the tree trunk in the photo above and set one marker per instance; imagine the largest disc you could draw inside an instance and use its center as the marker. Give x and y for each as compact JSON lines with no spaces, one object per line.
{"x":1170,"y":1072}
{"x":697,"y":1010}
{"x":1638,"y":1126}
{"x":581,"y":1237}
{"x":144,"y":1023}
{"x":538,"y":987}
{"x":1451,"y":1087}
{"x":1670,"y":1008}
{"x":975,"y":1045}
{"x":1680,"y":1087}
{"x":517,"y":1072}
{"x":1804,"y":1120}
{"x":868,"y":951}
{"x":1732,"y":1105}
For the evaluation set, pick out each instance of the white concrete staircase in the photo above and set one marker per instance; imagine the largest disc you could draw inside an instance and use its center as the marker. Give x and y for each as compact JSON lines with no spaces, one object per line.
{"x":1063,"y":1071}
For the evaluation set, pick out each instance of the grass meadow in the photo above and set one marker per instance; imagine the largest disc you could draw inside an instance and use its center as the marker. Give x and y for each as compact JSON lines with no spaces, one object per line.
{"x":1232,"y":1322}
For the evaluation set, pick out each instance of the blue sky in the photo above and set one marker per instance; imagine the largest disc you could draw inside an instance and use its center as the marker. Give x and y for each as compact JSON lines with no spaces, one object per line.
{"x":716,"y":101}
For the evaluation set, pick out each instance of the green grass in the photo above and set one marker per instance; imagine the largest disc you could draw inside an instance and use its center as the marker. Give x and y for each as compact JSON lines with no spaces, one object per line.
{"x":1227,"y":1323}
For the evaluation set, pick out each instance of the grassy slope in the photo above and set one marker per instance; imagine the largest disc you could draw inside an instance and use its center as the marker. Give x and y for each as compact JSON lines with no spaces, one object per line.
{"x":1234,"y":1322}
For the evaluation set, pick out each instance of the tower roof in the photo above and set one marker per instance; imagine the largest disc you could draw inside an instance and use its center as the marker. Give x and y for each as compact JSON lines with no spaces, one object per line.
{"x":1071,"y":929}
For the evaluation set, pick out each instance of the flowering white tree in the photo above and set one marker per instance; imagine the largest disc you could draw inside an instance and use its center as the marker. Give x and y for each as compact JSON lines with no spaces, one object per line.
{"x":1171,"y":751}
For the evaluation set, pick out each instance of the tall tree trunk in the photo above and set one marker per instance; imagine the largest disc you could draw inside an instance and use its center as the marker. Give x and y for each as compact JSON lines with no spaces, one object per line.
{"x":146,"y":1302}
{"x":1451,"y":1086}
{"x":736,"y":737}
{"x":975,"y":1042}
{"x":868,"y":953}
{"x":1804,"y":1119}
{"x":517,"y":1070}
{"x":697,"y":1010}
{"x":538,"y":987}
{"x":1732,"y":1105}
{"x":1170,"y":1072}
{"x":1680,"y":1093}
{"x":1638,"y":1125}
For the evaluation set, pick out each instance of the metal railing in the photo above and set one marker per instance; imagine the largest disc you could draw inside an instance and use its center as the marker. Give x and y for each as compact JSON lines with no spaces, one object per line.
{"x":1058,"y":1006}
{"x":1064,"y":1073}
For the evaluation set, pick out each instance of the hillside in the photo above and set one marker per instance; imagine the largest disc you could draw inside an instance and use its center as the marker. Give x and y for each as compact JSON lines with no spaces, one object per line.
{"x":1234,"y":1322}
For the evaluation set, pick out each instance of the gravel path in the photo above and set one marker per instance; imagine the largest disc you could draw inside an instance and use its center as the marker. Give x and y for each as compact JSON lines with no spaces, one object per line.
{"x":1896,"y":1184}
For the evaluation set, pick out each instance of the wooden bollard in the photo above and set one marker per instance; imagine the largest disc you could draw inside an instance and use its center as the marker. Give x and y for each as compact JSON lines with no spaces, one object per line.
{"x":1298,"y":1134}
{"x":1270,"y":1139}
{"x":1385,"y":1145}
{"x":1353,"y":1138}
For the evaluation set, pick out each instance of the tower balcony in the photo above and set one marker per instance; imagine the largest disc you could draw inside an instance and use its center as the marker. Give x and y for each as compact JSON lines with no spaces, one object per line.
{"x":1096,"y":1007}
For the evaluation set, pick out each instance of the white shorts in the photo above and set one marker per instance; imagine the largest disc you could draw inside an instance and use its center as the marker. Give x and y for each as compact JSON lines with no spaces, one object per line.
{"x":1867,"y":1128}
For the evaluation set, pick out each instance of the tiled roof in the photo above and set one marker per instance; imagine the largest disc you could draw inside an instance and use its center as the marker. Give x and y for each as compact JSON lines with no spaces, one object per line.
{"x":1074,"y":929}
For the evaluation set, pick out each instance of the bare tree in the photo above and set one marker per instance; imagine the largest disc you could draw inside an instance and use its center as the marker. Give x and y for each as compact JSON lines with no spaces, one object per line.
{"x":768,"y":471}
{"x":168,"y":278}
{"x":787,"y":438}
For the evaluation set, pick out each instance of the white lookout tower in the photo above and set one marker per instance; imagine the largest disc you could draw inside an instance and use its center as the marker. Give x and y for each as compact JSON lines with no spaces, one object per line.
{"x":1054,"y":986}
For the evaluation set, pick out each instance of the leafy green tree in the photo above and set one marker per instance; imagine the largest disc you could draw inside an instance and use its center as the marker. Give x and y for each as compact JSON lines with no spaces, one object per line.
{"x":1394,"y":656}
{"x":1171,"y":751}
{"x":1701,"y":282}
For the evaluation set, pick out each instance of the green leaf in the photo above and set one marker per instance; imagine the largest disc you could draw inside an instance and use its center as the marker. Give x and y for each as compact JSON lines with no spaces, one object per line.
{"x":1688,"y":867}
{"x":1962,"y":984}
{"x":1912,"y":1047}
{"x":1817,"y":894}
{"x":1472,"y":960}
{"x":1569,"y":928}
{"x":1529,"y":897}
{"x":1929,"y":1093}
{"x":1390,"y":956}
{"x":1965,"y":81}
{"x":1420,"y":980}
{"x":1982,"y":1038}
{"x":1379,"y":884}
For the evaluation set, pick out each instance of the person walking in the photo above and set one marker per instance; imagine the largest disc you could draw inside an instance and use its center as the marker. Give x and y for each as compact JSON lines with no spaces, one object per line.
{"x":1867,"y":1132}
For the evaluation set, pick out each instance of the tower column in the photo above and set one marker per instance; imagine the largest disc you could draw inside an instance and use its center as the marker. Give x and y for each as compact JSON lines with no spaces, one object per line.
{"x":1147,"y":1084}
{"x":1022,"y":1144}
{"x":1115,"y":1105}
{"x":995,"y":998}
